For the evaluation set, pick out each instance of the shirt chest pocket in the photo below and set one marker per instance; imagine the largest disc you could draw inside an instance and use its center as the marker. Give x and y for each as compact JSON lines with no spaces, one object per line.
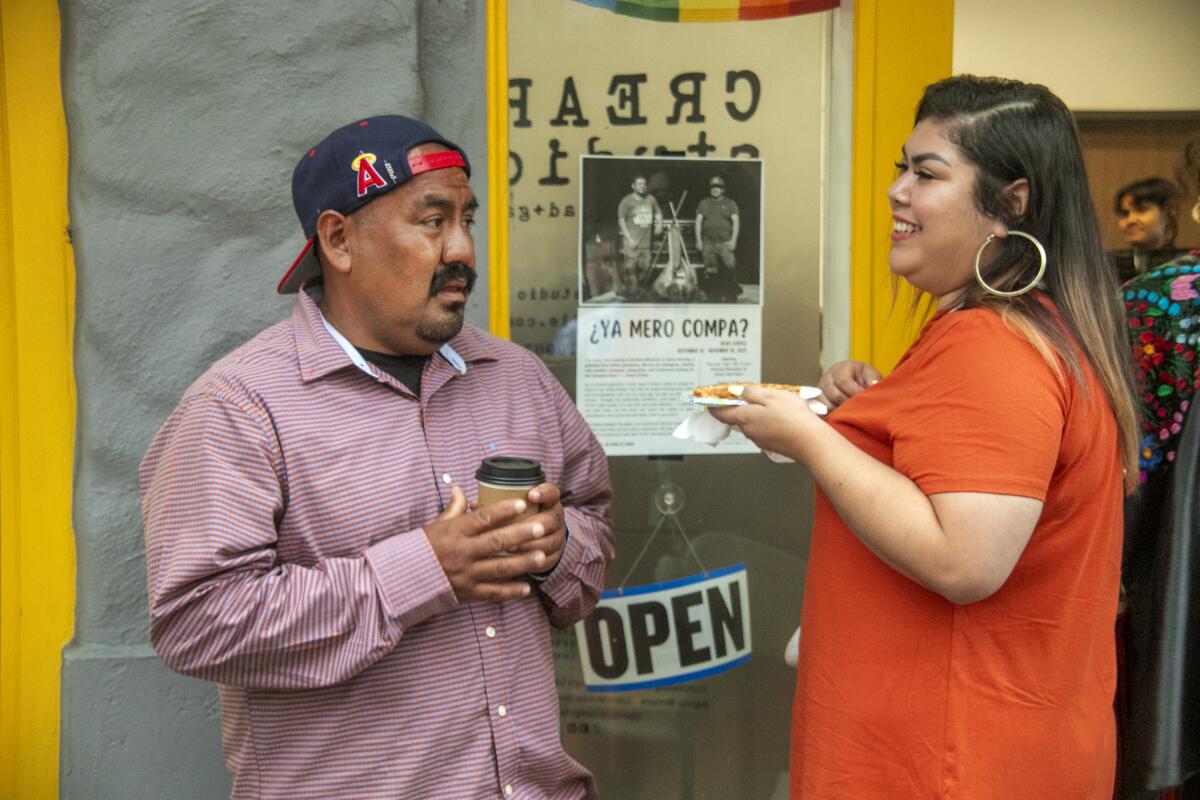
{"x":354,"y":494}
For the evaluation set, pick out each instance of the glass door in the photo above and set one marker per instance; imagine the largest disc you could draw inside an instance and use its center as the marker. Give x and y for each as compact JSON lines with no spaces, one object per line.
{"x":679,"y":688}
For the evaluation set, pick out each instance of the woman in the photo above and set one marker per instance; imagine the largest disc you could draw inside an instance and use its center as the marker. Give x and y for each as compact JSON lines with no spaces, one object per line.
{"x":1160,"y":697}
{"x":1146,"y":215}
{"x":963,"y":574}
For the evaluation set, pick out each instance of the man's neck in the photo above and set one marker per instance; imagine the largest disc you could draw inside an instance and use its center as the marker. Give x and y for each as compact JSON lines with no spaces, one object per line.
{"x":405,"y":369}
{"x":346,"y":323}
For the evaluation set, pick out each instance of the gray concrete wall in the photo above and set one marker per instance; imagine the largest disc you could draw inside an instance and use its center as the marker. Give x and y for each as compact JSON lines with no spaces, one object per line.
{"x":185,"y":120}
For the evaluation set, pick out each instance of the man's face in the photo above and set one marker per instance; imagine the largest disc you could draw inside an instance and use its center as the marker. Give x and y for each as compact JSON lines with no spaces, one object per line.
{"x":716,"y":190}
{"x":639,"y":187}
{"x":412,"y":260}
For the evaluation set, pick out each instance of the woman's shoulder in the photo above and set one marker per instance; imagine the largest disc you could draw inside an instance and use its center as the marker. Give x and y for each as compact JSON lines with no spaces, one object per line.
{"x":974,"y":340}
{"x":971,"y":327}
{"x":972,"y":358}
{"x":1006,"y":349}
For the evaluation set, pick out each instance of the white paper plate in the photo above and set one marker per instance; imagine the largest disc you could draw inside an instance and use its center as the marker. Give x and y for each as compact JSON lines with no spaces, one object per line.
{"x":805,"y":392}
{"x":809,"y":393}
{"x":688,"y":397}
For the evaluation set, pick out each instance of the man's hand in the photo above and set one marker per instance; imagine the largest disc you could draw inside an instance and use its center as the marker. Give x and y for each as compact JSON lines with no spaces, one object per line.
{"x":554,"y":537}
{"x":844,"y":380}
{"x":466,"y":544}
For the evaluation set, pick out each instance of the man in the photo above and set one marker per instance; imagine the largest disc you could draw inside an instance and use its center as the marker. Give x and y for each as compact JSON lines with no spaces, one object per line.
{"x":308,"y":538}
{"x":640,"y":220}
{"x":716,"y":237}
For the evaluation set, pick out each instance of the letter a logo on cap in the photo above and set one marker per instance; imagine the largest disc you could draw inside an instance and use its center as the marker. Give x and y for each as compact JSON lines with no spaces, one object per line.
{"x":367,"y":175}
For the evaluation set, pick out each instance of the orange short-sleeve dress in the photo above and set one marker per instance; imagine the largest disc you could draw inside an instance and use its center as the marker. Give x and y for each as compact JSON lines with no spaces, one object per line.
{"x":903,"y":694}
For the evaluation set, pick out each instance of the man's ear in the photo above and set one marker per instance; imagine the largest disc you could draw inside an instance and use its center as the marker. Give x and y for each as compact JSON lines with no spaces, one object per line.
{"x":332,"y":239}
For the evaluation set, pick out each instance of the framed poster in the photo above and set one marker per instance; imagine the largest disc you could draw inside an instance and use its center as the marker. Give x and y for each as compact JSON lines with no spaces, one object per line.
{"x":670,"y":293}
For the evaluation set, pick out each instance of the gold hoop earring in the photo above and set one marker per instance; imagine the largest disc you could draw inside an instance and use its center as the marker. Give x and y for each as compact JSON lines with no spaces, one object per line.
{"x":1036,"y":278}
{"x":1196,"y":211}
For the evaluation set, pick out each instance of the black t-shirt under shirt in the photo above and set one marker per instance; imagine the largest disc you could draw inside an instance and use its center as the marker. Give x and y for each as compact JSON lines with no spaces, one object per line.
{"x":406,"y":369}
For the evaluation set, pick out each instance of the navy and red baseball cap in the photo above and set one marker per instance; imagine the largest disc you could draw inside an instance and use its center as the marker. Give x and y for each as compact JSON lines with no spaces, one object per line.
{"x":351,"y":167}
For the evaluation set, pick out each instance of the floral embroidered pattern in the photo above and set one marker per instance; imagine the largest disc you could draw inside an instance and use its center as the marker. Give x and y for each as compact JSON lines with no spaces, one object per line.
{"x":1182,"y":288}
{"x":1162,"y":309}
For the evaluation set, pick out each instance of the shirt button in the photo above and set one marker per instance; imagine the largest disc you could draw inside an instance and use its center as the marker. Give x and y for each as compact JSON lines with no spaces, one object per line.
{"x":491,"y":632}
{"x":508,"y":790}
{"x":502,"y":711}
{"x":447,"y":479}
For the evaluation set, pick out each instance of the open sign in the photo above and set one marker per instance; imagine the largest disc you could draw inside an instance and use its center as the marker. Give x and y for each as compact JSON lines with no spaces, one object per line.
{"x":667,"y":633}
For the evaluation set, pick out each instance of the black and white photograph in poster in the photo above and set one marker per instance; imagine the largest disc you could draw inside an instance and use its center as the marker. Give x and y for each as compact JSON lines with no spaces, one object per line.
{"x":670,"y":294}
{"x":670,"y":230}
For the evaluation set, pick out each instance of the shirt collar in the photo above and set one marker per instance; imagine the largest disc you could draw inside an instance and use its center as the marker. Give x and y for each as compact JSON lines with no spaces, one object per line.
{"x":320,"y":354}
{"x":355,"y":357}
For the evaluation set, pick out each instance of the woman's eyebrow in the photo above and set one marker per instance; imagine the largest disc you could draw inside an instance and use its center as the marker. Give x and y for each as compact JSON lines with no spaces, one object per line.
{"x":929,"y":157}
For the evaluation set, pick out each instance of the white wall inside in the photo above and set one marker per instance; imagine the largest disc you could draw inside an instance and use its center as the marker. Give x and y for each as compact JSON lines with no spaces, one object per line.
{"x":1098,"y":55}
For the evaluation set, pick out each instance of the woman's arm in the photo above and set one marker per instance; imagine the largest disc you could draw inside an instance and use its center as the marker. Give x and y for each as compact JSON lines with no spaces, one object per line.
{"x":962,"y":545}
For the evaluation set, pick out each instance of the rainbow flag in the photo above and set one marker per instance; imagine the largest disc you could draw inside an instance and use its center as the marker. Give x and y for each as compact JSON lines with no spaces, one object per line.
{"x":711,"y":10}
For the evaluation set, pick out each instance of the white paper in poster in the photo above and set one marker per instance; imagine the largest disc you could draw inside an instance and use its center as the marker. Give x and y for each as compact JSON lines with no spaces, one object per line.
{"x":635,"y":363}
{"x":666,"y":633}
{"x":670,"y":294}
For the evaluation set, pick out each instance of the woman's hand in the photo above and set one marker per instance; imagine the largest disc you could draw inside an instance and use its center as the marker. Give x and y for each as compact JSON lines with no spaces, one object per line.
{"x":845,"y":379}
{"x":775,"y":420}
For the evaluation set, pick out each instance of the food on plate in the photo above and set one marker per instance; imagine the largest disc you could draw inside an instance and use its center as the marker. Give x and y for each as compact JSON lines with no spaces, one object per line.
{"x":733,"y":391}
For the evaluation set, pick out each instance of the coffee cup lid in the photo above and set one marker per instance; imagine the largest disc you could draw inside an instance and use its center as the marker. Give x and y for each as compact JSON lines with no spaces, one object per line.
{"x":510,"y":471}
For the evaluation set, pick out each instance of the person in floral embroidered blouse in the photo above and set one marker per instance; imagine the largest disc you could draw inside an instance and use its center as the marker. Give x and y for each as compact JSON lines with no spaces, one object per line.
{"x":1159,"y":730}
{"x":1163,"y":310}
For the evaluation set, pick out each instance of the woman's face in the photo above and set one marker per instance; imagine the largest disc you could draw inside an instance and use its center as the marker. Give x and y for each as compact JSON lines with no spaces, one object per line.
{"x":936,"y":226}
{"x":1144,"y":224}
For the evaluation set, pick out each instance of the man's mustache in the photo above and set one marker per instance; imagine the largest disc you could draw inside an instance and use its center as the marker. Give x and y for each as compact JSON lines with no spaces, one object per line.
{"x":452,"y":272}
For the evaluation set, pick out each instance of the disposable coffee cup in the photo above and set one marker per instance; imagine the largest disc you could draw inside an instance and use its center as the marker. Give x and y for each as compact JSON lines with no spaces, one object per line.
{"x":508,"y":478}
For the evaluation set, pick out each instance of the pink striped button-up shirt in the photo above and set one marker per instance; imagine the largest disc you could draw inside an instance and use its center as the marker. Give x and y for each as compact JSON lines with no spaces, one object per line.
{"x":283,"y":501}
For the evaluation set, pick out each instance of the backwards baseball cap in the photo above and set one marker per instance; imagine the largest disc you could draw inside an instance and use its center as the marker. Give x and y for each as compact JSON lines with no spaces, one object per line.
{"x":716,"y":180}
{"x":351,"y":167}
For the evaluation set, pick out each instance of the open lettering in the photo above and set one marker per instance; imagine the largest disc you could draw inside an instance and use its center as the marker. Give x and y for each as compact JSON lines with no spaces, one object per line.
{"x":682,"y":631}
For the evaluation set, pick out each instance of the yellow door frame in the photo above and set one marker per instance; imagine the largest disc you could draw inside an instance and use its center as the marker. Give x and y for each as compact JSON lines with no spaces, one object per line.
{"x":899,"y":48}
{"x":37,"y":400}
{"x":497,"y":122}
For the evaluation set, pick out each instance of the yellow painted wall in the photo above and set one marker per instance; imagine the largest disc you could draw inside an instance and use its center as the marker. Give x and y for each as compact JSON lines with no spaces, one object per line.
{"x":1107,"y":55}
{"x":899,"y":48}
{"x":37,"y":400}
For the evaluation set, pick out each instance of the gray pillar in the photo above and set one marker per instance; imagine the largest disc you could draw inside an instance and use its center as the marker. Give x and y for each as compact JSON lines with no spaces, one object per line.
{"x":185,"y":120}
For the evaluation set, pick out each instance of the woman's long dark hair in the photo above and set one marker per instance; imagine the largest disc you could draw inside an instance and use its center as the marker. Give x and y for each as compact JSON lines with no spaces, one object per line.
{"x":1011,"y":130}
